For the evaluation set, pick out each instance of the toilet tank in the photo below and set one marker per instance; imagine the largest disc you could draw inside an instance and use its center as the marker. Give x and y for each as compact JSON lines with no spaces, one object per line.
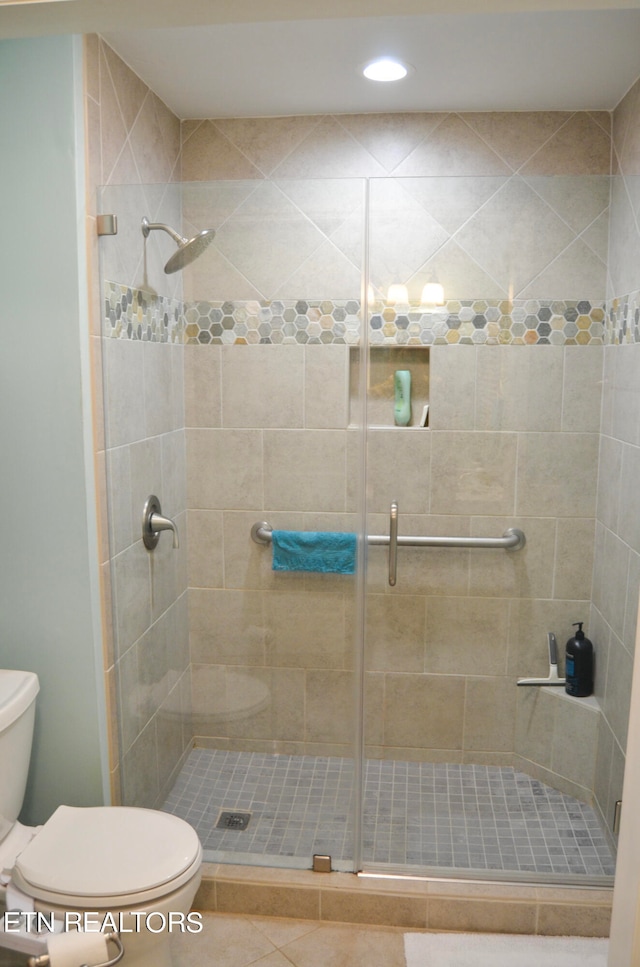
{"x":18,"y":692}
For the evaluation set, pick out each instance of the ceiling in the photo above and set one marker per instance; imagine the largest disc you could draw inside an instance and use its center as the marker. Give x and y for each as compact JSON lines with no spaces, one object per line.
{"x":227,"y":58}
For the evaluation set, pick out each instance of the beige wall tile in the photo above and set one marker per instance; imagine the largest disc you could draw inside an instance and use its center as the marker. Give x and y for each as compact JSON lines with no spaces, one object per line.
{"x":465,"y":635}
{"x":398,"y":469}
{"x":329,"y":706}
{"x":374,"y":683}
{"x":506,"y":573}
{"x":395,"y":911}
{"x":305,"y":470}
{"x":581,"y":146}
{"x":516,"y":137}
{"x":582,"y":388}
{"x":452,"y":387}
{"x":514,"y":253}
{"x":557,"y":474}
{"x":124,"y":416}
{"x":206,"y":549}
{"x":329,"y":151}
{"x":575,"y":920}
{"x":326,"y":387}
{"x":573,"y":752}
{"x":266,"y":141}
{"x":609,"y":470}
{"x":453,"y":148}
{"x":390,"y":138}
{"x":618,"y":695}
{"x":132,"y":588}
{"x":224,"y":469}
{"x":395,"y":630}
{"x":227,"y":627}
{"x":535,"y":724}
{"x":267,"y":901}
{"x":628,"y":524}
{"x":480,"y":916}
{"x":574,"y":273}
{"x":610,"y":579}
{"x":305,"y":629}
{"x":573,"y":562}
{"x":518,"y":390}
{"x":202,"y":386}
{"x":417,"y":706}
{"x":208,"y":155}
{"x":262,"y":386}
{"x":473,"y":473}
{"x":139,"y":771}
{"x":490,"y":714}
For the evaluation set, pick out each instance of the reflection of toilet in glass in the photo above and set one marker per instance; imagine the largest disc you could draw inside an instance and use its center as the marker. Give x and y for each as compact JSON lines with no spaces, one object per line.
{"x":139,"y":866}
{"x":236,"y":696}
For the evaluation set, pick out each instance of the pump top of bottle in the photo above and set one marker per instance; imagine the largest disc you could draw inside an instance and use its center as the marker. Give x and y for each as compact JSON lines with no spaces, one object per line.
{"x":579,"y":633}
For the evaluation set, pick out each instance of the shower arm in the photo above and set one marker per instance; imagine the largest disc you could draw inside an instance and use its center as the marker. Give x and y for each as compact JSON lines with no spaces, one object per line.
{"x":148,"y":226}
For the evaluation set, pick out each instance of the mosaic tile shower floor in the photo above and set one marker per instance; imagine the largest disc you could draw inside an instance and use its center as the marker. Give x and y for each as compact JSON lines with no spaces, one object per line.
{"x":420,"y":814}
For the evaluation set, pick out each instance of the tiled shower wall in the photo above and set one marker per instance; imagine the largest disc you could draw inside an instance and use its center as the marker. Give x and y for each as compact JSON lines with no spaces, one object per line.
{"x":614,"y":609}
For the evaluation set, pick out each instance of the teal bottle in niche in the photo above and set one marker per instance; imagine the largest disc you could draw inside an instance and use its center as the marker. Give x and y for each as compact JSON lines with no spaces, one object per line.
{"x":402,"y":388}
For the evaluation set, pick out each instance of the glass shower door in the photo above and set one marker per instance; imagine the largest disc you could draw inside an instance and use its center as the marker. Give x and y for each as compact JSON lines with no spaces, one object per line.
{"x":231,"y":392}
{"x":480,"y":429}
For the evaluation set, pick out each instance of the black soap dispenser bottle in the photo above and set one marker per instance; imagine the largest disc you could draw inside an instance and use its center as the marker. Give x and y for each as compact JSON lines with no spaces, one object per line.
{"x":579,"y":664}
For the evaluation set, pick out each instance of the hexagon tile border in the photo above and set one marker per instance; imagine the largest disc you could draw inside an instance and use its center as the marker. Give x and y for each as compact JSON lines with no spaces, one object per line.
{"x":136,"y":314}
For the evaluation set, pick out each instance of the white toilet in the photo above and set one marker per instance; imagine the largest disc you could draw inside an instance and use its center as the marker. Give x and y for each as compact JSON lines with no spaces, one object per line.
{"x":136,"y":868}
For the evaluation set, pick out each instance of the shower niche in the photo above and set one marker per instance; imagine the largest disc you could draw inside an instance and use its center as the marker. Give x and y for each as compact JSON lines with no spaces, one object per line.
{"x":383,"y":363}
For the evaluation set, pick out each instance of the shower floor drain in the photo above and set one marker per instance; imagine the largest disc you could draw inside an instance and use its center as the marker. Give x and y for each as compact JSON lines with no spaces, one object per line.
{"x":233,"y":819}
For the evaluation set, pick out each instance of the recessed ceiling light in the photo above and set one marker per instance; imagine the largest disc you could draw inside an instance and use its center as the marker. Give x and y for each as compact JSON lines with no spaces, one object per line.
{"x":385,"y":69}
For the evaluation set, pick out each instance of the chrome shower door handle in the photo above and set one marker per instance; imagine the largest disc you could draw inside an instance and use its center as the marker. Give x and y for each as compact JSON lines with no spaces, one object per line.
{"x":393,"y":543}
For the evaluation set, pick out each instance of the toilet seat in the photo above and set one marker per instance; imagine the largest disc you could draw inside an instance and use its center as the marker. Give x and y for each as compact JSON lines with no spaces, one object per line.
{"x":108,"y":855}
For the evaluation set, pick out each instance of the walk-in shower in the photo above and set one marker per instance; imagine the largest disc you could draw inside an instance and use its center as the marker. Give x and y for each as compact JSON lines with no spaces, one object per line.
{"x":374,"y":718}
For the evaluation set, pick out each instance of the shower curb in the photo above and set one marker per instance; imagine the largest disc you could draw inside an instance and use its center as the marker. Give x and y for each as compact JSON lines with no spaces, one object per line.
{"x":433,"y":904}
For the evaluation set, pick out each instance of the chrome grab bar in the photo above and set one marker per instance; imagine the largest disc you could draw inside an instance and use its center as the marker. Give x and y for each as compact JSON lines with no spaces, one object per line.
{"x":393,"y":543}
{"x":513,"y":539}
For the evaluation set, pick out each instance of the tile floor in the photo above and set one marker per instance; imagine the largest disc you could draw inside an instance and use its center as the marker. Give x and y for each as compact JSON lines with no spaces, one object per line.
{"x":237,"y":941}
{"x":441,"y":816}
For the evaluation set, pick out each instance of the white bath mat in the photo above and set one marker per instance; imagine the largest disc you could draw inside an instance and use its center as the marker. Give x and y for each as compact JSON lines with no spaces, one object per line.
{"x":502,"y":950}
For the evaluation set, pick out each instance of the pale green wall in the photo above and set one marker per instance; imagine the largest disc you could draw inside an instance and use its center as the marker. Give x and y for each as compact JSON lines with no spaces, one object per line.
{"x":48,"y":561}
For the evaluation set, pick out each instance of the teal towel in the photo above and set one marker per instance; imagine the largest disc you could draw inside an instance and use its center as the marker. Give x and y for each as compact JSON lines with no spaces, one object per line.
{"x":323,"y":551}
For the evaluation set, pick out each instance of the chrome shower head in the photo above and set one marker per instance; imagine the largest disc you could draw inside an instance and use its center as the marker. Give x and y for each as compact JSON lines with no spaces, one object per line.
{"x":188,"y":248}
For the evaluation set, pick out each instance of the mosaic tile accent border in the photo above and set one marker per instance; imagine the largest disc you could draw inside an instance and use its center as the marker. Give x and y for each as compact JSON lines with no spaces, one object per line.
{"x":479,"y":321}
{"x":138,"y":314}
{"x":622,"y":324}
{"x":492,"y":322}
{"x":301,"y":321}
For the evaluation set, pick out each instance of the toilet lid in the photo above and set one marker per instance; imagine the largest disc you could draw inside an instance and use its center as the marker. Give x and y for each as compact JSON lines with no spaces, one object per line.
{"x":108,"y":851}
